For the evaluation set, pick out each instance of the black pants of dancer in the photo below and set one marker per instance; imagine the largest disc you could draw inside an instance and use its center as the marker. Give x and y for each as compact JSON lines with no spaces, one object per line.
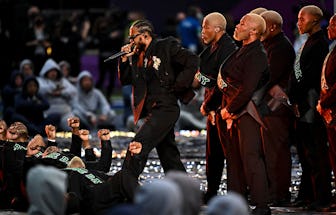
{"x":277,"y":154}
{"x":312,"y":149}
{"x":249,"y":159}
{"x":215,"y":154}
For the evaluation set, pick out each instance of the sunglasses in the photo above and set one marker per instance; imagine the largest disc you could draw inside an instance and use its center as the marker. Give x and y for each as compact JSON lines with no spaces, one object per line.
{"x":134,"y":36}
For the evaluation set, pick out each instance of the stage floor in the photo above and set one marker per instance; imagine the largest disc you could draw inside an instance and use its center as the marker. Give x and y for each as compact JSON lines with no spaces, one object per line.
{"x":192,"y":148}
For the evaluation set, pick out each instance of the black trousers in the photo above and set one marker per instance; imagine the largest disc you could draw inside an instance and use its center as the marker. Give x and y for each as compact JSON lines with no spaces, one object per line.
{"x":331,"y":131}
{"x":277,"y":153}
{"x":313,"y":154}
{"x":251,"y":156}
{"x":215,"y":154}
{"x":236,"y":180}
{"x":156,"y":132}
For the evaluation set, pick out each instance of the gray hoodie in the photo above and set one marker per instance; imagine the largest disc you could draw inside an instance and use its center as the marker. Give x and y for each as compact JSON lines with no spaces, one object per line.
{"x":230,"y":204}
{"x":191,"y":193}
{"x":25,"y":62}
{"x":159,"y":197}
{"x":58,"y":104}
{"x":92,"y":102}
{"x":46,"y":188}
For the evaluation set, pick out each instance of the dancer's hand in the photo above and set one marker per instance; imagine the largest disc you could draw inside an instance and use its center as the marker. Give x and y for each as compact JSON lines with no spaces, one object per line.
{"x":212,"y":117}
{"x":50,"y":131}
{"x":135,"y":147}
{"x":104,"y":134}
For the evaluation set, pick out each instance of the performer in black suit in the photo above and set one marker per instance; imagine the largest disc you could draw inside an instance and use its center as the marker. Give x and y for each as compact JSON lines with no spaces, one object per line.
{"x":219,"y":47}
{"x":277,"y":115}
{"x":315,"y":186}
{"x":241,"y":77}
{"x":160,"y":71}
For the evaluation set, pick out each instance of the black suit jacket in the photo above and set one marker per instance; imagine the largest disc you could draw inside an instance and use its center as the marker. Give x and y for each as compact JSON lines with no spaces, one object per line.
{"x":281,"y":57}
{"x":167,"y":74}
{"x":311,"y":61}
{"x":209,"y":66}
{"x":245,"y":72}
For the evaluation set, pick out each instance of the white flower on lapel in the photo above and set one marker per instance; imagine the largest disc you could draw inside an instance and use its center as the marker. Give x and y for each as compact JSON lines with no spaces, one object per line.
{"x":156,"y":62}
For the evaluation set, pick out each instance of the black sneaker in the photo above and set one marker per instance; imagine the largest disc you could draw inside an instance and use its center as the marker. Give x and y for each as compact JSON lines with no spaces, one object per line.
{"x":261,"y":211}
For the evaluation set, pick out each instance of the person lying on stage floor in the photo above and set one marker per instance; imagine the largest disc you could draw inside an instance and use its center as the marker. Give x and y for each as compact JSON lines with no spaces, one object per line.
{"x":12,"y":157}
{"x":85,"y":186}
{"x":53,"y":155}
{"x":18,"y":158}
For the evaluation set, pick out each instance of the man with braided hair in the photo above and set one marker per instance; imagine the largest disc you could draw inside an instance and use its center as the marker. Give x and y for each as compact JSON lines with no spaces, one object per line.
{"x":160,"y":72}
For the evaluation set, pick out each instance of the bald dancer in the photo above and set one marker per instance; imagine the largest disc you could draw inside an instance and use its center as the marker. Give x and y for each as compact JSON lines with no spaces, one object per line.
{"x":277,"y":116}
{"x":219,"y":45}
{"x":241,"y":76}
{"x":327,"y":102}
{"x":258,"y":10}
{"x":315,"y":186}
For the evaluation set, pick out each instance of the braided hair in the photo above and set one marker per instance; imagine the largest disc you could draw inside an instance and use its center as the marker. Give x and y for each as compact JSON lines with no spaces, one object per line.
{"x":144,"y":26}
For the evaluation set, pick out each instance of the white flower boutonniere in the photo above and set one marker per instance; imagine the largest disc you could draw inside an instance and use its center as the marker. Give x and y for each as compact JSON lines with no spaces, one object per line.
{"x":156,"y":62}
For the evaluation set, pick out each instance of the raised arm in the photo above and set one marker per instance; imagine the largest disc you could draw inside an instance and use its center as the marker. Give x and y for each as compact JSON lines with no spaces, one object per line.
{"x":76,"y":141}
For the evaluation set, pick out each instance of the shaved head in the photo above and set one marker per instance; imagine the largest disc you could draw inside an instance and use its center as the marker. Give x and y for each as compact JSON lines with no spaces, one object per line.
{"x":216,"y":19}
{"x":257,"y":22}
{"x":258,"y":10}
{"x":309,"y":19}
{"x":273,"y":24}
{"x":332,"y":28}
{"x":213,"y":27}
{"x":333,"y":18}
{"x":272,"y":17}
{"x":250,"y":28}
{"x":314,"y":11}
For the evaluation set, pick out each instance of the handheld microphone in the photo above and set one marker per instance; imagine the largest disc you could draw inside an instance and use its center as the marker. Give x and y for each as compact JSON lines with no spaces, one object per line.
{"x":116,"y":55}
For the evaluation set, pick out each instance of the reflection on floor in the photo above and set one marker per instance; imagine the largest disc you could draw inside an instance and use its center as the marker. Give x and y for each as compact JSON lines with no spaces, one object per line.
{"x":192,"y":148}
